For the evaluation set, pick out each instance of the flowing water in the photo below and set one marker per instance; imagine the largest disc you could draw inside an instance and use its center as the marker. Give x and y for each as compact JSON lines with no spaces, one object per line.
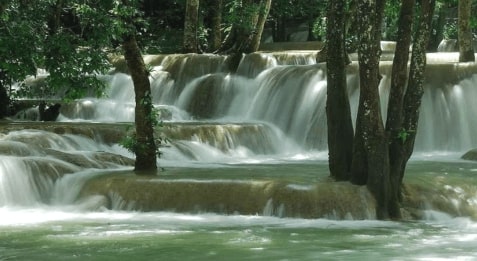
{"x":245,"y":174}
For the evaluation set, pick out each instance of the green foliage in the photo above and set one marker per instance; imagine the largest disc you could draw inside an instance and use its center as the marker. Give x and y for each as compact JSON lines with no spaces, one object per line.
{"x":319,"y":28}
{"x":404,"y":134}
{"x":298,"y":9}
{"x":239,"y":13}
{"x":71,"y":49}
{"x":391,"y":19}
{"x":451,"y":29}
{"x":131,"y":143}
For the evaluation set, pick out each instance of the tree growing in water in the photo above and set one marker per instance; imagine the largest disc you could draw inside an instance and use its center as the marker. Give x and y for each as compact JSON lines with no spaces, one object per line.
{"x":399,"y":75}
{"x":405,"y":138}
{"x":340,"y":127}
{"x":127,"y":18}
{"x":380,"y":155}
{"x":370,"y":162}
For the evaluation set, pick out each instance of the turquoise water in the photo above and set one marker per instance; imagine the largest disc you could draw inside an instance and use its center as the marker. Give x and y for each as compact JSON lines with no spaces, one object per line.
{"x":171,"y":236}
{"x":73,"y":232}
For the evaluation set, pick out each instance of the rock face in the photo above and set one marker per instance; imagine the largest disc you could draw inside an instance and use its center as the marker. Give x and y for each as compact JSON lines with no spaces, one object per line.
{"x":333,"y":200}
{"x":324,"y":199}
{"x":470,"y":155}
{"x":98,"y":159}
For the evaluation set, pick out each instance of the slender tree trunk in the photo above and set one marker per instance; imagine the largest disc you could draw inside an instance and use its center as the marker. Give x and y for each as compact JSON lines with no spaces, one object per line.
{"x":191,"y":42}
{"x":415,"y":90}
{"x":4,"y":101}
{"x":4,"y":98}
{"x":280,"y":34}
{"x":216,"y":15}
{"x":340,"y":127}
{"x":370,"y":164}
{"x":145,"y":149}
{"x":262,"y":18}
{"x":242,"y":33}
{"x":437,"y":37}
{"x":395,"y":105}
{"x":466,"y":48}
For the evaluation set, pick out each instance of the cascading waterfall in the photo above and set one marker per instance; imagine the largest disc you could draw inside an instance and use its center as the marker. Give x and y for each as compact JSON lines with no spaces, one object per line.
{"x":35,"y":164}
{"x":246,"y":173}
{"x":287,"y":91}
{"x":271,"y":110}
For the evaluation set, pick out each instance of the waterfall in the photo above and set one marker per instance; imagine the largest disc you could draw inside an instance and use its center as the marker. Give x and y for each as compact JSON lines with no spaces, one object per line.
{"x":40,"y":167}
{"x":250,"y":142}
{"x":287,"y":91}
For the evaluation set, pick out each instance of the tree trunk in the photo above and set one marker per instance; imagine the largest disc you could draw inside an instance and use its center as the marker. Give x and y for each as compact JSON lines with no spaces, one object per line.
{"x":437,"y":37}
{"x":415,"y":90}
{"x":370,"y":164}
{"x":145,"y":148}
{"x":4,"y":101}
{"x":466,"y":48}
{"x":55,"y":19}
{"x":280,"y":34}
{"x":241,"y":35}
{"x":191,"y":43}
{"x":340,"y":127}
{"x":264,"y":9}
{"x":395,"y":105}
{"x":216,"y":17}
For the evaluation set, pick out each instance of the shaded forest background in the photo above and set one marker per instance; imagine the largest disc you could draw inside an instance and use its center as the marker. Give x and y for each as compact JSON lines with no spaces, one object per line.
{"x":288,"y":21}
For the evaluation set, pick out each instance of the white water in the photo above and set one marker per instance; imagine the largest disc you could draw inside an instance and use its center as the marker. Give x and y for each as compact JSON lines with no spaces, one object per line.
{"x":284,"y":99}
{"x":289,"y":97}
{"x":32,"y":175}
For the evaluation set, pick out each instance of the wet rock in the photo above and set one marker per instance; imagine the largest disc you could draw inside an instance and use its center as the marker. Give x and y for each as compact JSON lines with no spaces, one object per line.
{"x":470,"y":155}
{"x":91,"y":159}
{"x":335,"y":200}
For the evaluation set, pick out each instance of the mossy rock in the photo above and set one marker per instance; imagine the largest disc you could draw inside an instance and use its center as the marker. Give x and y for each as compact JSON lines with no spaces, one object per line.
{"x":470,"y":155}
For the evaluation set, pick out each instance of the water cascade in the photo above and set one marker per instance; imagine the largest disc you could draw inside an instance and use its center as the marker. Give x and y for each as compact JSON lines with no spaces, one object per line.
{"x":246,"y":154}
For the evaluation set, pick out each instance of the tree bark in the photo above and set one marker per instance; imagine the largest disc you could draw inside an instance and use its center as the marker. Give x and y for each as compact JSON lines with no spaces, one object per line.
{"x":437,"y":37}
{"x":216,"y":17}
{"x":395,"y":105}
{"x":280,"y":32}
{"x":264,"y":9}
{"x":145,"y":150}
{"x":370,"y":164}
{"x":340,"y":127}
{"x":191,"y":42}
{"x":4,"y":101}
{"x":466,"y":48}
{"x":415,"y":89}
{"x":241,"y":36}
{"x":4,"y":98}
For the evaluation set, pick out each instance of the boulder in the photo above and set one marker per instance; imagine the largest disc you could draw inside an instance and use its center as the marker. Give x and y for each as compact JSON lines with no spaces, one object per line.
{"x":470,"y":155}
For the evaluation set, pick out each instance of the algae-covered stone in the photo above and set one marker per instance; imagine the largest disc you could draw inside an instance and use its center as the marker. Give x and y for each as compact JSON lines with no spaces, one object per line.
{"x":470,"y":155}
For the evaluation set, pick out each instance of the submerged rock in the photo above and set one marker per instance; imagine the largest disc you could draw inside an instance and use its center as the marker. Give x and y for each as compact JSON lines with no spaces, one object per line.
{"x":470,"y":155}
{"x":323,"y":199}
{"x":98,"y":159}
{"x":335,"y":200}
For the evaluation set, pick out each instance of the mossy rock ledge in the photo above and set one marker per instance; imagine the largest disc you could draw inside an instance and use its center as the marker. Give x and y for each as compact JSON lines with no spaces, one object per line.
{"x":335,"y":200}
{"x":470,"y":155}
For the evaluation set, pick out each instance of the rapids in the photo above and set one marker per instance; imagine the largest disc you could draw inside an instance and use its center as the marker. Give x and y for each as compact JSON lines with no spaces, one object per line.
{"x":245,"y":172}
